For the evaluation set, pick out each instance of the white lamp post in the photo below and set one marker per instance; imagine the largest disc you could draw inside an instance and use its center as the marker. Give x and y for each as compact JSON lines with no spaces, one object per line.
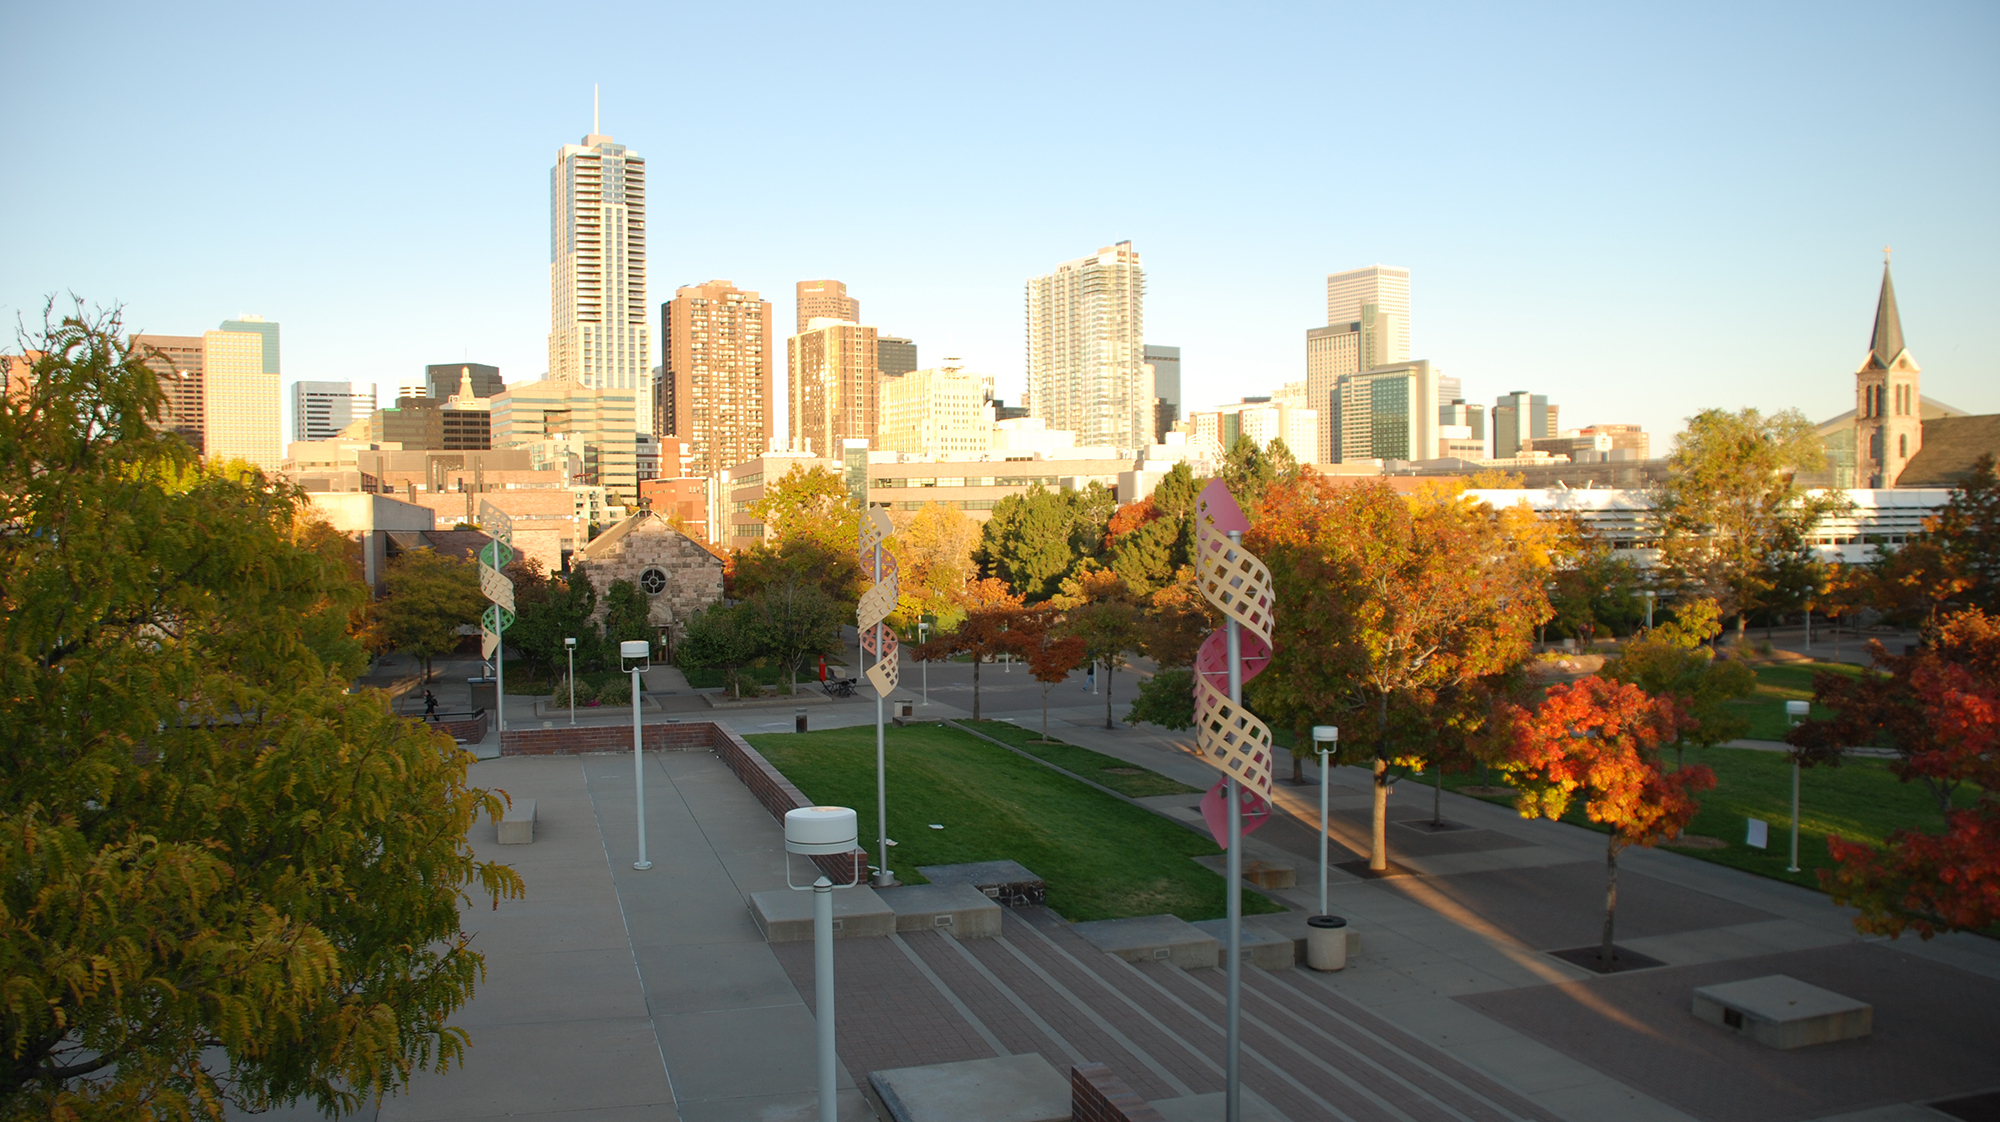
{"x":570,"y":645}
{"x":1795,"y":711}
{"x":1326,"y":739}
{"x":923,"y":636}
{"x":637,"y":657}
{"x":1650,"y":597}
{"x":1326,"y":935}
{"x":823,"y":831}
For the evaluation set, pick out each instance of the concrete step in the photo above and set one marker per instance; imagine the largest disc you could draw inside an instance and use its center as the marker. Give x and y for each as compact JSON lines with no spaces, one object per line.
{"x":786,"y":916}
{"x":1008,"y":882}
{"x":1261,"y":947}
{"x":961,"y":909}
{"x":1024,"y":1088}
{"x":1153,"y":939}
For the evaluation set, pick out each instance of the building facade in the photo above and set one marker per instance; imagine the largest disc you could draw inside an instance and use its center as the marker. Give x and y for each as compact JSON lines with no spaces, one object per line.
{"x":1086,"y":349}
{"x":598,"y":330}
{"x":1387,"y":413}
{"x":240,"y":411}
{"x":1519,"y":419}
{"x":833,"y":385}
{"x":1888,"y":404}
{"x":321,"y":409}
{"x":945,"y":411}
{"x":1166,"y":373}
{"x":895,"y":357}
{"x":1367,"y":326}
{"x":177,"y":360}
{"x":716,"y":385}
{"x":823,"y":299}
{"x":443,"y":379}
{"x":593,"y":425}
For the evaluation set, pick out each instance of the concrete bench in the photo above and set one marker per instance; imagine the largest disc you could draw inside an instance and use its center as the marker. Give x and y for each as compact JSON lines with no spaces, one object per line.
{"x":1262,"y":947}
{"x":1008,"y":882}
{"x":517,"y":826}
{"x":1783,"y":1012}
{"x":786,"y":916}
{"x":961,"y":909}
{"x":1153,"y":939}
{"x":1024,"y":1088}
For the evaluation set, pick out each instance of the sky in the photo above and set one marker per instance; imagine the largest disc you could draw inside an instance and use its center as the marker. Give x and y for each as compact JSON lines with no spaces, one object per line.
{"x":1641,"y":211}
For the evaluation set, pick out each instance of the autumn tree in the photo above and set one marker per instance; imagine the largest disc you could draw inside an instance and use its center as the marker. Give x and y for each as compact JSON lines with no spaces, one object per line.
{"x":811,"y":528}
{"x":1599,"y":740}
{"x":429,"y":596}
{"x":1672,"y":660}
{"x":193,"y":808}
{"x":1953,"y":562}
{"x":1036,"y":636}
{"x":933,"y":547}
{"x":1389,"y":612}
{"x":1102,"y":613}
{"x":1592,"y":586}
{"x":1733,"y":523}
{"x":989,"y":610}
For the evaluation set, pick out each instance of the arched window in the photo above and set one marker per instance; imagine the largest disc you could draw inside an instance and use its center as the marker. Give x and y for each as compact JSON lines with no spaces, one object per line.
{"x":1903,"y":447}
{"x":653,"y":581}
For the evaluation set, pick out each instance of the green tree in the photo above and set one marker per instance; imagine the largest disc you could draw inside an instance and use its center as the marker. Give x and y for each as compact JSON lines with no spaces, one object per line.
{"x":1672,"y":661}
{"x":1733,"y":522}
{"x":627,"y":615}
{"x":429,"y":596}
{"x":721,"y":635}
{"x":811,"y":528}
{"x":797,"y":619}
{"x":1166,"y":699}
{"x":1591,"y":586}
{"x":1026,"y":543}
{"x":549,"y":610}
{"x":1249,"y":470}
{"x":193,"y":809}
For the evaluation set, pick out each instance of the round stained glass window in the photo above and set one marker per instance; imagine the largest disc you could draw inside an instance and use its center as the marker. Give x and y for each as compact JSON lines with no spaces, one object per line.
{"x":653,"y":581}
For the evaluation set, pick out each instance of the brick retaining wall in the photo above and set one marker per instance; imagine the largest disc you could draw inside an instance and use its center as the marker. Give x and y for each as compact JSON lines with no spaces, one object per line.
{"x":1096,"y":1095}
{"x":773,"y":791}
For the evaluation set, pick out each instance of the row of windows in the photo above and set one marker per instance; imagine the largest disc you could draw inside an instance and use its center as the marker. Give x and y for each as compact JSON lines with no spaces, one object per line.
{"x":963,"y":504}
{"x":965,"y":481}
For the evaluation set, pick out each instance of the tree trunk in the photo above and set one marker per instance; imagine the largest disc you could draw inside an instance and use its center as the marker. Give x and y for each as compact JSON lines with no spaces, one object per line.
{"x":1437,"y":795}
{"x":1110,"y":668}
{"x":1045,"y":710}
{"x":1610,"y":899}
{"x":1378,"y":841}
{"x":975,"y":685}
{"x":1298,"y":770}
{"x":1742,"y":622}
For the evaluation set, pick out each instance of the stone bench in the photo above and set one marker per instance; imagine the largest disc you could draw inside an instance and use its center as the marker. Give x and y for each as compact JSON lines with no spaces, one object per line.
{"x":786,"y":916}
{"x":517,"y":826}
{"x":1262,"y":947}
{"x":1153,"y":939}
{"x":1783,"y":1012}
{"x":1008,"y":883}
{"x":961,"y":909}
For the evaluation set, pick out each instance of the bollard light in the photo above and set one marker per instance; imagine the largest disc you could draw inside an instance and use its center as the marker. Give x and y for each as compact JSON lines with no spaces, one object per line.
{"x":1796,"y":711}
{"x":570,"y":645}
{"x":823,"y":831}
{"x":1326,"y":741}
{"x":636,"y":657}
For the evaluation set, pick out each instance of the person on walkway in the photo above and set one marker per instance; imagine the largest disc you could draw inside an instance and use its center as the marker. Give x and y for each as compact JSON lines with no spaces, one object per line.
{"x":822,"y":670}
{"x":1090,"y":677}
{"x":430,"y":706}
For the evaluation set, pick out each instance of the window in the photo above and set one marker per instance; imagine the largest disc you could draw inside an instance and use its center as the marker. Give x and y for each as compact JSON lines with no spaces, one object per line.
{"x":1903,"y":447}
{"x":653,"y":581}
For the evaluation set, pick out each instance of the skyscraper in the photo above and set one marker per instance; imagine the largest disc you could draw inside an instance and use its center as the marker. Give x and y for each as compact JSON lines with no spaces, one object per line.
{"x":894,"y":357}
{"x":598,"y":333}
{"x":177,"y":360}
{"x":441,"y":379}
{"x":1520,"y":418}
{"x":1166,"y":364}
{"x":1387,"y":289}
{"x":321,"y":409}
{"x":1388,"y":413}
{"x":943,"y":411}
{"x":1367,"y":326}
{"x":1086,"y":360}
{"x":240,"y":392}
{"x":1888,"y":414}
{"x":716,"y":385}
{"x":824,"y":299}
{"x":834,"y":385}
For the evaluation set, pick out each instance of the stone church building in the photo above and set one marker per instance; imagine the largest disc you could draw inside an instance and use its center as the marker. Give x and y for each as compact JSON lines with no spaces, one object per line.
{"x":677,"y":575}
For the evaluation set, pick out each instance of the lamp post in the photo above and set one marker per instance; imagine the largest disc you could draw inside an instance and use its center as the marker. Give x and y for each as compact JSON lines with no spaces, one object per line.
{"x":1326,"y":935}
{"x":569,"y":644}
{"x":823,"y":831}
{"x":1650,"y":597}
{"x":1233,"y":1026}
{"x":637,"y":656}
{"x":924,"y":636}
{"x":1795,"y":711}
{"x":1326,"y":739}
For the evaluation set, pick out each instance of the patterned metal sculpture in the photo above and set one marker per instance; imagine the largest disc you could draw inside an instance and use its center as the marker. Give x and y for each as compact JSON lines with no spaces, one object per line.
{"x":1228,"y":737}
{"x":493,"y":557}
{"x":878,"y":602}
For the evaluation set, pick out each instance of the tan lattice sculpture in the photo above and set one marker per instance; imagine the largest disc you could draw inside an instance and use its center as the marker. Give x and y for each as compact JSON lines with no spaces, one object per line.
{"x":878,"y":565}
{"x":1228,"y":737}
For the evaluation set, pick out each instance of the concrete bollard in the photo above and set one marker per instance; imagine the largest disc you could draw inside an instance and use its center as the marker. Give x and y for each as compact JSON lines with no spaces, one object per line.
{"x":798,"y":720}
{"x":1326,"y":942}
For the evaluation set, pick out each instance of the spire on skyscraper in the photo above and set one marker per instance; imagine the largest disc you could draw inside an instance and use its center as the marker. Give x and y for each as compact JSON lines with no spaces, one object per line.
{"x":1887,"y":341}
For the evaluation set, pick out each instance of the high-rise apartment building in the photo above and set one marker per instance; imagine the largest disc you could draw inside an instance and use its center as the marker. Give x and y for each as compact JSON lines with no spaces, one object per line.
{"x":321,"y":409}
{"x":1367,"y":326}
{"x":944,"y":411}
{"x":834,"y":385}
{"x":1166,"y":364}
{"x":1520,"y":418}
{"x":894,"y":357}
{"x":716,"y":386}
{"x":177,"y":360}
{"x":240,"y":393}
{"x":442,"y":379}
{"x":823,"y":299}
{"x":1387,"y":413}
{"x":1086,"y":350}
{"x":1888,"y":405}
{"x":598,"y":332}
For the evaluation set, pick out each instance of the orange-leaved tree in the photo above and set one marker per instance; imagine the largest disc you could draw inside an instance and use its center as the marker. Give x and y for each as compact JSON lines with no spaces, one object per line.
{"x":1036,"y":637}
{"x":1600,"y":740}
{"x":989,"y":610}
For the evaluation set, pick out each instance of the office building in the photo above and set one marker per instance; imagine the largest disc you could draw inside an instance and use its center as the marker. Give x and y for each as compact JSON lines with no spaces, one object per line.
{"x":599,"y":336}
{"x":1462,"y":429}
{"x":558,"y":419}
{"x":1368,"y":326}
{"x":1262,"y":419}
{"x":833,"y":385}
{"x":1166,"y":371}
{"x":895,"y":357}
{"x":240,"y":406}
{"x":1888,"y":425}
{"x":1518,"y":419}
{"x":443,"y":379}
{"x":1086,"y":350}
{"x":1382,"y":287}
{"x":177,"y":361}
{"x":1630,"y":440}
{"x":426,"y":424}
{"x":941,"y":412}
{"x":1387,"y":413}
{"x":321,"y":409}
{"x":716,"y":384}
{"x":823,"y":299}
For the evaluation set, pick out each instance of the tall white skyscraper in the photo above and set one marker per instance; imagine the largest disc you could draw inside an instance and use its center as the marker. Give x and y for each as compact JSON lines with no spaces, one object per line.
{"x":321,"y":409}
{"x":240,"y":383}
{"x":1386,"y":288}
{"x":598,"y":329}
{"x":1367,"y":326}
{"x":1086,"y":349}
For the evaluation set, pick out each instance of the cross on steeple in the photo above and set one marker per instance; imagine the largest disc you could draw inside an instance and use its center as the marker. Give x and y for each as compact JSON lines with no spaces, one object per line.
{"x":1886,"y":251}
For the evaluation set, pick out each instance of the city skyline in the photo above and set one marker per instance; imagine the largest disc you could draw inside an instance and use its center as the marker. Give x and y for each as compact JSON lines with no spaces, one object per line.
{"x":1502,"y":227}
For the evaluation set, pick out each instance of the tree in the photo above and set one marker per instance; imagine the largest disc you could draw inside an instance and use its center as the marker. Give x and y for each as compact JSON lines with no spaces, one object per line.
{"x":1954,"y":562}
{"x":989,"y":610}
{"x":1167,"y":699}
{"x":723,"y":635}
{"x":797,"y":619}
{"x":549,"y":610}
{"x":812,"y":527}
{"x":627,"y":616}
{"x":1672,"y":661}
{"x":1733,"y":523}
{"x":1036,"y":539}
{"x":1248,"y":470}
{"x":1389,"y":611}
{"x":193,"y":809}
{"x":1035,"y":636}
{"x":933,"y":548}
{"x":1600,"y":739}
{"x":1593,"y":586}
{"x":1105,"y":618}
{"x":429,"y":597}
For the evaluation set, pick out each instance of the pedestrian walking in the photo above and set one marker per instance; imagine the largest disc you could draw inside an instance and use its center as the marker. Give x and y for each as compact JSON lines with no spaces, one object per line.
{"x":430,"y":706}
{"x":822,"y":670}
{"x":1090,"y":677}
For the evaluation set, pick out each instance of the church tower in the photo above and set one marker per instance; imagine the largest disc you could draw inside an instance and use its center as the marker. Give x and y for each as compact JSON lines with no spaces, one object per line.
{"x":1888,"y":417}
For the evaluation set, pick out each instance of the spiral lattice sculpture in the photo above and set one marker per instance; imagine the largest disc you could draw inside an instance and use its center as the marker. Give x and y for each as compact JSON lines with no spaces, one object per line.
{"x":879,"y":566}
{"x":1228,"y":737}
{"x":493,"y":557}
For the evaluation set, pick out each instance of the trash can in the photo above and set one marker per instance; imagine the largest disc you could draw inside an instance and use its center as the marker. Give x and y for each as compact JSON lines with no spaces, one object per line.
{"x":799,"y":720}
{"x":1326,"y":942}
{"x":485,"y":694}
{"x":906,"y":710}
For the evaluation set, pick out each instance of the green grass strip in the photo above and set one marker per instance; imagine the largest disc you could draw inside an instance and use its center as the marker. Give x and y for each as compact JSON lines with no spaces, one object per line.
{"x":1127,"y":779}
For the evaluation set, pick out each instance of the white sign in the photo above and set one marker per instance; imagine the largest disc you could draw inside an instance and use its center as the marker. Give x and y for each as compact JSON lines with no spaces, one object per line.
{"x":1759,"y":834}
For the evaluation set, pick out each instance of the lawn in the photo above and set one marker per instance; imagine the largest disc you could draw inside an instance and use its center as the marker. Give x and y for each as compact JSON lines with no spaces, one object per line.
{"x":1861,"y":800}
{"x":1777,"y":684}
{"x":1126,"y":779}
{"x":1102,"y":858}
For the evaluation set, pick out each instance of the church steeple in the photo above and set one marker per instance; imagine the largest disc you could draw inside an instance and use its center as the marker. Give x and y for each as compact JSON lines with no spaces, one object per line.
{"x":1887,"y":342}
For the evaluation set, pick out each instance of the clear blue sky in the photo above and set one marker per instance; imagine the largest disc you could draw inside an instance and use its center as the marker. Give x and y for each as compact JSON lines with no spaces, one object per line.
{"x":1641,"y":212}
